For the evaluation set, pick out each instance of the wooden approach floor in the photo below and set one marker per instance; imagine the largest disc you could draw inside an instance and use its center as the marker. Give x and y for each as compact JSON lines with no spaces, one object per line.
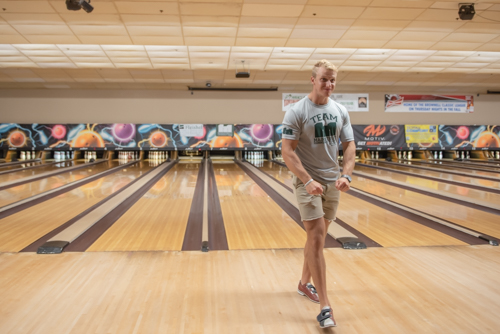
{"x":451,"y":289}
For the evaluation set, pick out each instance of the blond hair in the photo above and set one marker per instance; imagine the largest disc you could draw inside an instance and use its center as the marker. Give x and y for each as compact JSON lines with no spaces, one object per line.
{"x":323,"y":63}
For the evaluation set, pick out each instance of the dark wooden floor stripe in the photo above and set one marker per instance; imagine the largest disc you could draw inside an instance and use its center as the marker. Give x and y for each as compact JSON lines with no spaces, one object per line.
{"x":83,"y":242}
{"x":433,"y":178}
{"x":39,"y":200}
{"x":471,"y":240}
{"x":18,"y":162}
{"x":63,"y":170}
{"x":292,"y":211}
{"x":217,"y":238}
{"x":194,"y":228}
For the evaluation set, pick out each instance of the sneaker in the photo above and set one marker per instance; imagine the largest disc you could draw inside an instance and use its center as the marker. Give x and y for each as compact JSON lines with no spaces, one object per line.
{"x":325,"y":318}
{"x":309,"y":291}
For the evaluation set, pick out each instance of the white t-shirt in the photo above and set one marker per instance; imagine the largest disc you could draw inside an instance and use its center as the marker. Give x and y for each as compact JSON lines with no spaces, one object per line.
{"x":318,"y":129}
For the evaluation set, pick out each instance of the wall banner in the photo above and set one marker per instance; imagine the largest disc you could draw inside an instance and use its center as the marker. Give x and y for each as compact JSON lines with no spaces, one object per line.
{"x":352,"y":102}
{"x":429,"y":103}
{"x":387,"y":137}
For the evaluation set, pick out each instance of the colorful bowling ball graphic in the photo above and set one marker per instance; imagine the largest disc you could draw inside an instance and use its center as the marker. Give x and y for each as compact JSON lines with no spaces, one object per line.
{"x":262,"y":132}
{"x":203,"y":135}
{"x":227,"y":142}
{"x":463,"y":132}
{"x":488,"y":139}
{"x":88,"y":139}
{"x":17,"y":138}
{"x":58,"y":131}
{"x":158,"y":139}
{"x":123,"y":132}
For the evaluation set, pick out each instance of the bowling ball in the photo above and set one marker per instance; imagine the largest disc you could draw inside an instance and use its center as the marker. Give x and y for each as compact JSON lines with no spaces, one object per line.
{"x":88,"y":139}
{"x":58,"y":131}
{"x":463,"y":132}
{"x":226,"y":142}
{"x":17,"y":138}
{"x":158,"y":139}
{"x":488,"y":139}
{"x":262,"y":132}
{"x":123,"y":132}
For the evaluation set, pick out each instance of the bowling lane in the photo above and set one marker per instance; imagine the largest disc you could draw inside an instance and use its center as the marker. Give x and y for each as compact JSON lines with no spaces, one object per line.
{"x":18,"y":175}
{"x":279,"y":172}
{"x":14,"y":194}
{"x":382,"y":226}
{"x":19,"y":166}
{"x":23,"y":228}
{"x":465,"y":178}
{"x":444,"y":188}
{"x":477,"y":220}
{"x":457,"y":165}
{"x":252,"y":219}
{"x":157,"y":222}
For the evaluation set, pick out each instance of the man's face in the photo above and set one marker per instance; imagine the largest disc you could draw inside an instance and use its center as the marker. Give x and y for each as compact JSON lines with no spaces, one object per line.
{"x":325,"y":81}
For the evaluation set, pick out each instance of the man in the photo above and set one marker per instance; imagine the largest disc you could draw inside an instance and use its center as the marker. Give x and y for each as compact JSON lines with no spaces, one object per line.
{"x":311,"y":132}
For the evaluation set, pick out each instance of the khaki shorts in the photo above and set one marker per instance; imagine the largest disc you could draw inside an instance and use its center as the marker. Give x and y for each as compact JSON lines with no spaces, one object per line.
{"x":316,"y":206}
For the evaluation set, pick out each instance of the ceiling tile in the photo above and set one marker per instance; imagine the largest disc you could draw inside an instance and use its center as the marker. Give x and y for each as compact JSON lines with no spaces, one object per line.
{"x":383,"y":25}
{"x":390,"y":13}
{"x":368,"y":35}
{"x":213,"y":9}
{"x":215,"y":41}
{"x":435,"y":26}
{"x":52,"y":39}
{"x":319,"y":23}
{"x":209,"y":32}
{"x":317,"y":33}
{"x":264,"y":32}
{"x":271,"y":10}
{"x":32,"y":19}
{"x":331,"y":12}
{"x":408,"y":44}
{"x":455,"y":46}
{"x":26,"y":7}
{"x":157,"y":40}
{"x":243,"y":41}
{"x":154,"y":31}
{"x":470,"y":37}
{"x":120,"y":40}
{"x":267,"y":22}
{"x":146,"y":7}
{"x":311,"y":42}
{"x":151,"y":20}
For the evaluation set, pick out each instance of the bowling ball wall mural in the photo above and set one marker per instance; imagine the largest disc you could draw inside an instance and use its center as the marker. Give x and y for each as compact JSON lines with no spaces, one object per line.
{"x":167,"y":137}
{"x":95,"y":136}
{"x":14,"y":136}
{"x":50,"y":135}
{"x":469,"y":137}
{"x":249,"y":136}
{"x":485,"y":136}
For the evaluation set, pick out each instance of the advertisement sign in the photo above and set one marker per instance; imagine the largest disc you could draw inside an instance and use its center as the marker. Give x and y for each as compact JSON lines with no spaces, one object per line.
{"x":423,"y":135}
{"x":429,"y":103}
{"x":352,"y":102}
{"x":170,"y":136}
{"x":191,"y":130}
{"x":387,"y":137}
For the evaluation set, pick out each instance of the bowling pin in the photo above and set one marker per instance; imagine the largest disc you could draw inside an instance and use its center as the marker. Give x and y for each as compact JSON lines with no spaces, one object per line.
{"x":376,"y":155}
{"x":404,"y":155}
{"x":409,"y":155}
{"x":497,"y":155}
{"x":440,"y":155}
{"x":462,"y":154}
{"x":467,"y":155}
{"x":399,"y":154}
{"x":23,"y":155}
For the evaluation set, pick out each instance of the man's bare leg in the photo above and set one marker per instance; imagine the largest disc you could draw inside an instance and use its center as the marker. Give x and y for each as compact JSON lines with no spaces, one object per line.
{"x":313,"y":255}
{"x":306,"y":273}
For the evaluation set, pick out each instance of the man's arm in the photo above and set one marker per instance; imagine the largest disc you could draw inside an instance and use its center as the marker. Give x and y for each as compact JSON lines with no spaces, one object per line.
{"x":349,"y":149}
{"x":293,"y":163}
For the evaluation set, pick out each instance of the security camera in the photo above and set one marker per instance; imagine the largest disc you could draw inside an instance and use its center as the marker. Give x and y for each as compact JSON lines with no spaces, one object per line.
{"x":79,"y":4}
{"x":208,"y":84}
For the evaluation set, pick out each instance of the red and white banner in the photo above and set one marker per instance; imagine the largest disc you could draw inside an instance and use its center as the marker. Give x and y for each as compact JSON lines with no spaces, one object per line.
{"x":429,"y":103}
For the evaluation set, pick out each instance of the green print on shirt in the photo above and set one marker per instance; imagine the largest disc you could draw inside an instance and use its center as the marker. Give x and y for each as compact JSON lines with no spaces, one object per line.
{"x":287,"y":131}
{"x":324,"y":133}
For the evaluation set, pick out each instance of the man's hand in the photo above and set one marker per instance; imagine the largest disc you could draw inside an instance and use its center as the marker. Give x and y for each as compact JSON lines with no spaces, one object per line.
{"x":342,"y":184}
{"x":314,"y":188}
